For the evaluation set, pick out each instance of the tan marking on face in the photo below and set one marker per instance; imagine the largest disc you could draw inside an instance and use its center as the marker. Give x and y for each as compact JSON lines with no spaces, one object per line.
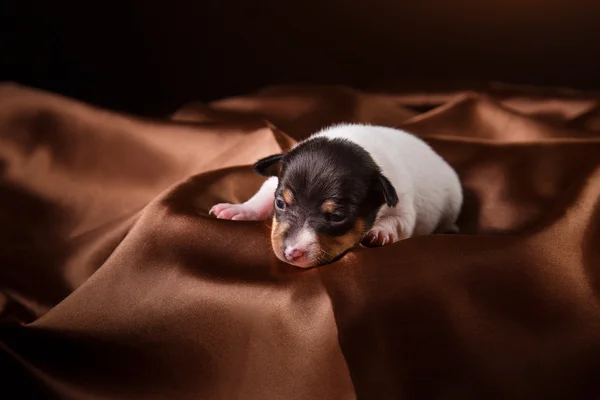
{"x":328,"y":206}
{"x":288,"y":197}
{"x":278,"y":230}
{"x":332,"y":246}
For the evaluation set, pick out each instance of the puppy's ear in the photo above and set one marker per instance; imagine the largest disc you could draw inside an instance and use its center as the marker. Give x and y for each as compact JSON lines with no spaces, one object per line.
{"x":269,"y":166}
{"x":389,"y":192}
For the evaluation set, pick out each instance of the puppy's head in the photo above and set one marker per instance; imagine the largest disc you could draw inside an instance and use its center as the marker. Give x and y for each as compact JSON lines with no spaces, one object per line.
{"x":328,"y":196}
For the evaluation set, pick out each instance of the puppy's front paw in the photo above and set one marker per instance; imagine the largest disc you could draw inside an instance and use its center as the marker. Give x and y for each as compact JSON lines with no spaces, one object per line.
{"x":379,"y":237}
{"x":238,"y":212}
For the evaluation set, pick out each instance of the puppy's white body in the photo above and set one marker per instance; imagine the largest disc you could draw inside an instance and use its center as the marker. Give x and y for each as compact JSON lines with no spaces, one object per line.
{"x":429,"y":190}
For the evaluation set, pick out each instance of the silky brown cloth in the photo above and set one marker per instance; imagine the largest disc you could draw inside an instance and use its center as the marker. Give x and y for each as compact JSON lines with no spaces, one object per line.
{"x":116,"y":284}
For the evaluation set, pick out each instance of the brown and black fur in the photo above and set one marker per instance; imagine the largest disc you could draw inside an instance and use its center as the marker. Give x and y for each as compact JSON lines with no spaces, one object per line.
{"x":334,"y":186}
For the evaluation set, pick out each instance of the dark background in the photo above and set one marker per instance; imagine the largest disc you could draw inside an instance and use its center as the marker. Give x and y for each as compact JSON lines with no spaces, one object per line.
{"x":150,"y":57}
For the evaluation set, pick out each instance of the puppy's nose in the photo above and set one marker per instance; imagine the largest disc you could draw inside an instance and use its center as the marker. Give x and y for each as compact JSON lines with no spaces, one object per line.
{"x":292,"y":253}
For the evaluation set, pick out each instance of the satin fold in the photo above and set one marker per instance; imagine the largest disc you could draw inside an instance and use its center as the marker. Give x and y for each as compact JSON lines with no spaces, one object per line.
{"x":115,"y":283}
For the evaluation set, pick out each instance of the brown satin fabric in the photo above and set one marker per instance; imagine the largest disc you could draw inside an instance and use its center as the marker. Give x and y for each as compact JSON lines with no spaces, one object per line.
{"x":116,"y":284}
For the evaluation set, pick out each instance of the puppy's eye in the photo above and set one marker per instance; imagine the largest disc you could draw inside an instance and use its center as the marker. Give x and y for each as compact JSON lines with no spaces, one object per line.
{"x":280,"y":204}
{"x":336,"y":217}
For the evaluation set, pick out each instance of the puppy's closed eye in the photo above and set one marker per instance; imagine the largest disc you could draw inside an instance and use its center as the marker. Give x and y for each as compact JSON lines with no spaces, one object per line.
{"x":335,"y":217}
{"x":331,"y":210}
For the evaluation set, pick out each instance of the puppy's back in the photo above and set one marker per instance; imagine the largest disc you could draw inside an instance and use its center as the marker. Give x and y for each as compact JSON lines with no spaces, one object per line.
{"x":391,"y":149}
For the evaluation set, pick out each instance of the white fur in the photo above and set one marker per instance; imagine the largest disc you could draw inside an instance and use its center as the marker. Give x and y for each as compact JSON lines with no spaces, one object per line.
{"x":429,"y":190}
{"x":305,"y":238}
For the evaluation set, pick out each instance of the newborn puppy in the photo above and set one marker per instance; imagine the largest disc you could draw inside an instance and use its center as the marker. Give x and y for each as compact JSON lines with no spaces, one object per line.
{"x":346,"y":184}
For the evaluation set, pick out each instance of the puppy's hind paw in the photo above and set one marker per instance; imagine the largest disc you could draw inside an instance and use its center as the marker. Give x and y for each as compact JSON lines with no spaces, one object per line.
{"x":236,"y":212}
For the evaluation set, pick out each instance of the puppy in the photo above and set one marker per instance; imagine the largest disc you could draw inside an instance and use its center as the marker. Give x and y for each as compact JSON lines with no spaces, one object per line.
{"x":350,"y":183}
